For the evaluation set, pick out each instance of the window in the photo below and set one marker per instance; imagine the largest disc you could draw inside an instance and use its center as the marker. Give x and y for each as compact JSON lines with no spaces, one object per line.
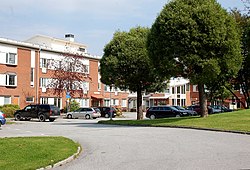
{"x":86,"y":69}
{"x":107,"y":88}
{"x":116,"y":102}
{"x":183,"y":102}
{"x":173,"y":101}
{"x":7,"y":100}
{"x":44,"y":100}
{"x":167,"y":108}
{"x":29,"y":99}
{"x":106,"y":102}
{"x":188,"y":87}
{"x":83,"y":102}
{"x":178,"y":90}
{"x":167,"y":91}
{"x":82,"y":49}
{"x":57,"y":102}
{"x":178,"y":102}
{"x":43,"y":63}
{"x":11,"y":80}
{"x":99,"y":86}
{"x":173,"y":92}
{"x":43,"y":82}
{"x":195,"y":89}
{"x":124,"y":103}
{"x":11,"y":58}
{"x":32,"y":77}
{"x":183,"y":89}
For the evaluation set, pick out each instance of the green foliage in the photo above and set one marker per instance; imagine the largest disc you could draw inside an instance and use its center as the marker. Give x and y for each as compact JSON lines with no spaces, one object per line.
{"x":18,"y":153}
{"x":194,"y":39}
{"x":9,"y":109}
{"x":126,"y":64}
{"x":243,"y":78}
{"x":74,"y":105}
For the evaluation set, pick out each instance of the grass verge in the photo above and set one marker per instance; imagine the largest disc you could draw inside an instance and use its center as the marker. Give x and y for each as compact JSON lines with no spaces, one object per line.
{"x":34,"y":152}
{"x":230,"y":121}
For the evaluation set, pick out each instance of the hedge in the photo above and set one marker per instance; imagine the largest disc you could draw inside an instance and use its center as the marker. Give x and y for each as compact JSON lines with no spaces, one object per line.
{"x":9,"y":109}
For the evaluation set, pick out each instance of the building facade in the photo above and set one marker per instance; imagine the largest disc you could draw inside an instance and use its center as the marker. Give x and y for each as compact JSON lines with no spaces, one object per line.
{"x":26,"y":71}
{"x":179,"y":92}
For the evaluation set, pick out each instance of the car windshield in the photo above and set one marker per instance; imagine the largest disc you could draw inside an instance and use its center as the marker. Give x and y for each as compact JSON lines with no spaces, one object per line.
{"x":97,"y":110}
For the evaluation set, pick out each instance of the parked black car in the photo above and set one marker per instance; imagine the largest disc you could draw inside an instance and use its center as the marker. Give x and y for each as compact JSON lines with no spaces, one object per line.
{"x":219,"y":108}
{"x":190,"y":112}
{"x":164,"y":111}
{"x":198,"y":109}
{"x":106,"y":112}
{"x":40,"y":111}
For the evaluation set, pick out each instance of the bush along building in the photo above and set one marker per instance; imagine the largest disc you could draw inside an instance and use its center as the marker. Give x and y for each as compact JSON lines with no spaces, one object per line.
{"x":47,"y":70}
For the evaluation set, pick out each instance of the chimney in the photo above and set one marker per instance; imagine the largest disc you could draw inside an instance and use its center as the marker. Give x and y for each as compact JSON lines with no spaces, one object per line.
{"x":69,"y":37}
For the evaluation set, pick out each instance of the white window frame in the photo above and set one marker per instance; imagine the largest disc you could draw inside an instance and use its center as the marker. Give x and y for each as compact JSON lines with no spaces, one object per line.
{"x":43,"y":63}
{"x":7,"y":80}
{"x":9,"y":58}
{"x":124,"y":103}
{"x":195,"y":88}
{"x":87,"y":69}
{"x":44,"y":100}
{"x":30,"y":101}
{"x":32,"y":77}
{"x":43,"y":82}
{"x":107,"y":102}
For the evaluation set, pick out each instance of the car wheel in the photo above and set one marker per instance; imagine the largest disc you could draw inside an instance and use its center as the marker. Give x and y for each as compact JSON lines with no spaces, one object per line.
{"x":51,"y":119}
{"x":87,"y":116}
{"x":17,"y":117}
{"x":152,"y":116}
{"x":69,"y":116}
{"x":177,"y":115}
{"x":41,"y":118}
{"x":106,"y":115}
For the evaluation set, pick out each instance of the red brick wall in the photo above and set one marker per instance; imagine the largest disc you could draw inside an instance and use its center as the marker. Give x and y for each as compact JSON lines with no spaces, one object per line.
{"x":23,"y":72}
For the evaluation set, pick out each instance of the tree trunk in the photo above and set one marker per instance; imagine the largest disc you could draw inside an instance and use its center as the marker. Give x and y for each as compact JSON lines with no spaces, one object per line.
{"x":139,"y":105}
{"x":202,"y":100}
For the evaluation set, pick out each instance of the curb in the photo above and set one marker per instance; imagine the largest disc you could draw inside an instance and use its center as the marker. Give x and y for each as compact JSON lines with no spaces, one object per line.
{"x":67,"y":160}
{"x":184,"y":127}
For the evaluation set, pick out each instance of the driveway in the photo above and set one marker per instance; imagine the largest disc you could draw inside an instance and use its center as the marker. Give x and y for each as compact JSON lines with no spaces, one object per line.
{"x":107,"y":147}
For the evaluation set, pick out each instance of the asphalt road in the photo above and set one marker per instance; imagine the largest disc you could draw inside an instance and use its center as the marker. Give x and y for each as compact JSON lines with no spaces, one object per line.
{"x":108,"y":147}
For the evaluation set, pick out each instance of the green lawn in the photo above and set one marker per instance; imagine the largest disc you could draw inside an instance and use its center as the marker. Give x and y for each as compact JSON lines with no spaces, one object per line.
{"x":34,"y":152}
{"x":231,"y":121}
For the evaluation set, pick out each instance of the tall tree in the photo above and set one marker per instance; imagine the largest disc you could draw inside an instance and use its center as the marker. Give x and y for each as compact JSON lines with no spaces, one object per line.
{"x":242,"y":81}
{"x":125,"y":64}
{"x":200,"y":38}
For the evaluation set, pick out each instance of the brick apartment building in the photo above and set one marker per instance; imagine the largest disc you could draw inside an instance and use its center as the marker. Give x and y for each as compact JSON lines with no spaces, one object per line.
{"x":179,"y":92}
{"x":26,"y":68}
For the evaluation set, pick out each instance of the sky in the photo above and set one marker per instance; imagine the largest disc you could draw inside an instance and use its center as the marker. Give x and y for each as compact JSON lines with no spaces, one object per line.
{"x":93,"y":22}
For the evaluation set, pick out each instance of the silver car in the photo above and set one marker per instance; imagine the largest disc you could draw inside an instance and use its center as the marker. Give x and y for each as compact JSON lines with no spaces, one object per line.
{"x":85,"y":112}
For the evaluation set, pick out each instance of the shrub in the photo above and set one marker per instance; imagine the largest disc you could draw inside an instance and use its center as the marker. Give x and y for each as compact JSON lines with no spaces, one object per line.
{"x":9,"y":109}
{"x":74,"y":105}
